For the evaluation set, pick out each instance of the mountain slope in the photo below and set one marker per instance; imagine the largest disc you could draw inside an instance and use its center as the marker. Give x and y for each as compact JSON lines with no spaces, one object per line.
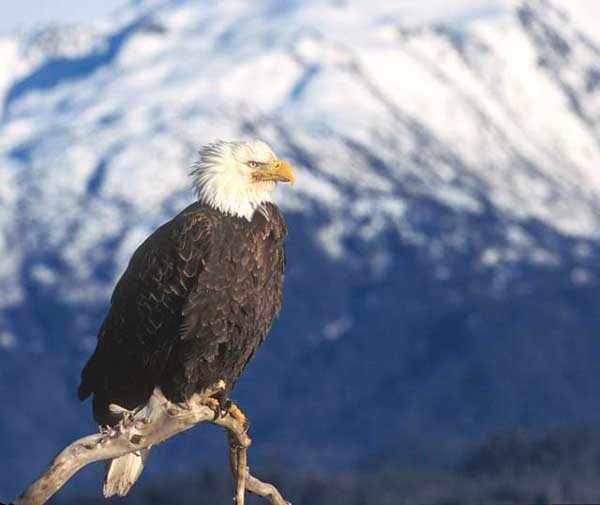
{"x":443,"y":248}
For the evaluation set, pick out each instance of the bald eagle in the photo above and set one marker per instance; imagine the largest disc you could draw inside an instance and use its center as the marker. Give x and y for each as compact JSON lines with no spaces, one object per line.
{"x":197,"y":298}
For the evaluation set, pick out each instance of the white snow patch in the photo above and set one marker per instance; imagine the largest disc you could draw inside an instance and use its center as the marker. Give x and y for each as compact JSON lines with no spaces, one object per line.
{"x":335,"y":329}
{"x":581,"y":276}
{"x":43,"y":274}
{"x":7,"y":340}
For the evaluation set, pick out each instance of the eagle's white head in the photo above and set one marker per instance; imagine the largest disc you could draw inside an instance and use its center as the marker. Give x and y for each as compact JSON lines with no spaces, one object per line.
{"x":238,"y":178}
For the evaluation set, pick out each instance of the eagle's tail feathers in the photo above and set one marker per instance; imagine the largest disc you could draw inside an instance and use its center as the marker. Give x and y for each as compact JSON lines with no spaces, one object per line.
{"x":121,"y":473}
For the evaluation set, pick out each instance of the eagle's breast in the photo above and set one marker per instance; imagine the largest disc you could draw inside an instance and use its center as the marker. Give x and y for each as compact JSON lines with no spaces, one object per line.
{"x":238,"y":293}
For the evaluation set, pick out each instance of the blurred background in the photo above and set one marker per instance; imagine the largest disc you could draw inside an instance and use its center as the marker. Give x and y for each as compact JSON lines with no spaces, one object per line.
{"x":440,"y":336}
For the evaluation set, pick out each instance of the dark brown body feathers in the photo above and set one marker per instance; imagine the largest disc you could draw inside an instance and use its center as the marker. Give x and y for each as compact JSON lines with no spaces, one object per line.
{"x":196,"y":301}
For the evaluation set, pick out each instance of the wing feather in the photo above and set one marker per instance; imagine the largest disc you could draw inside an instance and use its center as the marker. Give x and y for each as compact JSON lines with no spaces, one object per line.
{"x":145,"y":318}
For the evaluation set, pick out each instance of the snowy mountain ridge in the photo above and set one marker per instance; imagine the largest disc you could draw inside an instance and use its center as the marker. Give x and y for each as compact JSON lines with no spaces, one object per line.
{"x":440,"y":168}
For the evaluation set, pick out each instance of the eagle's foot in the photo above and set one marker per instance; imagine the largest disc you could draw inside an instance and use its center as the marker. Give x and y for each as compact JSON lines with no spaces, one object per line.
{"x":215,"y":405}
{"x":215,"y":397}
{"x":223,"y":406}
{"x":235,"y":412}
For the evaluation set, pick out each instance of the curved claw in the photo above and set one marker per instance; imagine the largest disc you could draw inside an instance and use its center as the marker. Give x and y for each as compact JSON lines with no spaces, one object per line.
{"x":214,"y":405}
{"x":226,"y":404}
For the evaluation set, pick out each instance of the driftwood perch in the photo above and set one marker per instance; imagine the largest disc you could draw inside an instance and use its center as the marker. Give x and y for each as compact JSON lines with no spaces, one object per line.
{"x":153,"y":424}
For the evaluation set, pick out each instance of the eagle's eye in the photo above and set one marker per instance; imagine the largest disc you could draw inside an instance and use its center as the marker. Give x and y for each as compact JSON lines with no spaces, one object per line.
{"x":252,"y":164}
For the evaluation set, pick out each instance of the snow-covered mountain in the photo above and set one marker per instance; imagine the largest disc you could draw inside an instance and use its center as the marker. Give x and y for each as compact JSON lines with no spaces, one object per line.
{"x":444,"y":232}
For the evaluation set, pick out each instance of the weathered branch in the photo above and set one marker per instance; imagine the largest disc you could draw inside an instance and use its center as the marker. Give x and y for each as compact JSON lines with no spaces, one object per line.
{"x":238,"y":462}
{"x":154,"y":424}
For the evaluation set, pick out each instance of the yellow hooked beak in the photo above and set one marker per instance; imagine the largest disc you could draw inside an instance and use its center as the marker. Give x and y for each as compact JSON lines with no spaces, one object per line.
{"x":277,"y":170}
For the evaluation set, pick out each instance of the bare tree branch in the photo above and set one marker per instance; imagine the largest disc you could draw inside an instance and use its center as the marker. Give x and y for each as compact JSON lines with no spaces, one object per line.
{"x":155,"y":423}
{"x":238,"y":463}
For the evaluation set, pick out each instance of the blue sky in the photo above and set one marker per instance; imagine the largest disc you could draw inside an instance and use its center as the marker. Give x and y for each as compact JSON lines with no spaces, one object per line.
{"x":27,"y":13}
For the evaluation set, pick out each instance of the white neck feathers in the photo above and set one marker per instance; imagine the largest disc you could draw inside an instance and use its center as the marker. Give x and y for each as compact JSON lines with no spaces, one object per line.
{"x":222,"y":181}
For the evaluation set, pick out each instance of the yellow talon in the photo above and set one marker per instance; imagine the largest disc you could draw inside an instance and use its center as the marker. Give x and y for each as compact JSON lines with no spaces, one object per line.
{"x":238,"y":415}
{"x":213,"y":403}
